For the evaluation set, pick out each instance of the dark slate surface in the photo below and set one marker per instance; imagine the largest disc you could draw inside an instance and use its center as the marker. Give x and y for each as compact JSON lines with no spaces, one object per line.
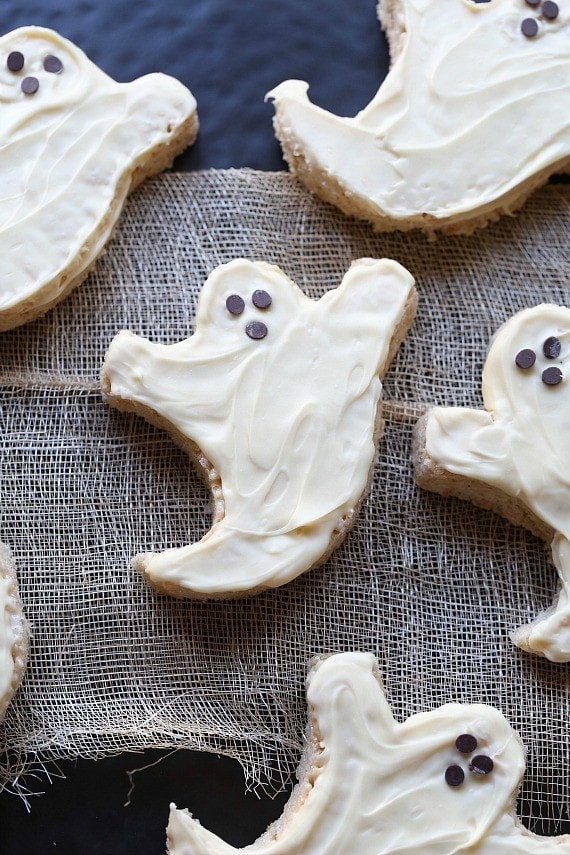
{"x":229,"y":54}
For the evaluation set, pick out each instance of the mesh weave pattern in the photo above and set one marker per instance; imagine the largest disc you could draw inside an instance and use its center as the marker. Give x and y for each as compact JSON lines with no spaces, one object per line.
{"x":431,"y":586}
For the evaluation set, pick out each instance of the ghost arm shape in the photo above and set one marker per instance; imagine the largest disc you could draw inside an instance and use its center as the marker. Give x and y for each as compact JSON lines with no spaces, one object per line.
{"x":372,"y":785}
{"x":470,"y":442}
{"x":272,"y":387}
{"x":176,"y":385}
{"x":343,"y":704}
{"x":376,"y":298}
{"x":426,"y":152}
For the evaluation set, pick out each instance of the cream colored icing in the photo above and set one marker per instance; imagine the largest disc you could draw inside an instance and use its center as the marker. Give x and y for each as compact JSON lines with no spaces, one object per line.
{"x":67,"y":154}
{"x":7,"y":640}
{"x":287,"y":421}
{"x":14,"y":631}
{"x":520,"y":444}
{"x":376,"y":786}
{"x":433,"y":139}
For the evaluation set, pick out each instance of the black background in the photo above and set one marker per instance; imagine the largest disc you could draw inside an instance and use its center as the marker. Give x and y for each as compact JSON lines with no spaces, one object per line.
{"x":229,"y":54}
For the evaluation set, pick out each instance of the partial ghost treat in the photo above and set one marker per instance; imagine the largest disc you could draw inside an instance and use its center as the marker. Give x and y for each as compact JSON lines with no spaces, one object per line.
{"x":14,"y":636}
{"x":439,"y":783}
{"x":73,"y":144}
{"x":471,"y":118}
{"x":513,"y":455}
{"x":277,"y":397}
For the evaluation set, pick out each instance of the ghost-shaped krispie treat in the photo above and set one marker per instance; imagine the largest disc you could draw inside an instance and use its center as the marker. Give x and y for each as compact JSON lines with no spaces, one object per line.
{"x":472,"y":116}
{"x":439,"y":783}
{"x":277,"y":396}
{"x":514,"y":455}
{"x":73,"y":143}
{"x":14,"y":634}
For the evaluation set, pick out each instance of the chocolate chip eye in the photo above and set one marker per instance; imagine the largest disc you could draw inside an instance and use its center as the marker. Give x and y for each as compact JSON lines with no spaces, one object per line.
{"x":529,"y":27}
{"x":532,"y":3}
{"x":234,"y":304}
{"x":256,"y":330}
{"x":552,"y":376}
{"x":261,"y":299}
{"x":466,"y":743}
{"x":454,"y":776}
{"x":53,"y":64}
{"x":552,"y":347}
{"x":15,"y":61}
{"x":525,"y":358}
{"x":481,"y":765}
{"x":550,"y":10}
{"x":30,"y":85}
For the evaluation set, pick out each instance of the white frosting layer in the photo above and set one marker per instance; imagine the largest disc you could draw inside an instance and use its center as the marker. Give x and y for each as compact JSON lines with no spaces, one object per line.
{"x":521,"y":443}
{"x":14,"y":634}
{"x":287,"y":421}
{"x":470,"y":110}
{"x":7,"y":640}
{"x":67,"y":156}
{"x":377,"y":787}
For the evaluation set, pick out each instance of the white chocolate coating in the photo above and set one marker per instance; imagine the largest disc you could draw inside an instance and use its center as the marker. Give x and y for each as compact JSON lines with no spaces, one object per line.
{"x":6,"y":641}
{"x":471,"y":115}
{"x":287,"y":421}
{"x":520,"y":444}
{"x":377,"y":787}
{"x":69,"y":154}
{"x":14,"y":635}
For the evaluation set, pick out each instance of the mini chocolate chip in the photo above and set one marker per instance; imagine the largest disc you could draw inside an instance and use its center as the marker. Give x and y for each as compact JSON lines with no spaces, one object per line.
{"x":481,"y":764}
{"x":15,"y":61}
{"x":552,"y":376}
{"x":552,"y":347}
{"x":525,"y":358}
{"x":234,"y":304}
{"x":53,"y":64}
{"x":550,"y":10}
{"x":529,"y":27}
{"x":261,"y":299}
{"x":30,"y":85}
{"x":454,"y":775}
{"x":533,"y":2}
{"x":256,"y":329}
{"x":466,"y":743}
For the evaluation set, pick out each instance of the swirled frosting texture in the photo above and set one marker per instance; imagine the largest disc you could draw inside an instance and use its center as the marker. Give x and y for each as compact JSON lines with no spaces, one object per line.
{"x":520,"y":443}
{"x":7,"y":639}
{"x":69,"y":153}
{"x":282,"y":400}
{"x":470,"y":111}
{"x":378,"y":787}
{"x":14,"y":634}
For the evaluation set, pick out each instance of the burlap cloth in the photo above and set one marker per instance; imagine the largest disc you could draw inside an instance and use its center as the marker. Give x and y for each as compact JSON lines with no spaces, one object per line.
{"x":431,"y":586}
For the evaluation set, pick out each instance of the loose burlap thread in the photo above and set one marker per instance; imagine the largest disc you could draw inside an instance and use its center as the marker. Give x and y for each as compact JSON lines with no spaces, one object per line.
{"x":431,"y":586}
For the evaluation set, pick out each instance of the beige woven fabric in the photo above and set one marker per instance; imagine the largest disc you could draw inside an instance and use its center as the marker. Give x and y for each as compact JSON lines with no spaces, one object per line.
{"x":431,"y":586}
